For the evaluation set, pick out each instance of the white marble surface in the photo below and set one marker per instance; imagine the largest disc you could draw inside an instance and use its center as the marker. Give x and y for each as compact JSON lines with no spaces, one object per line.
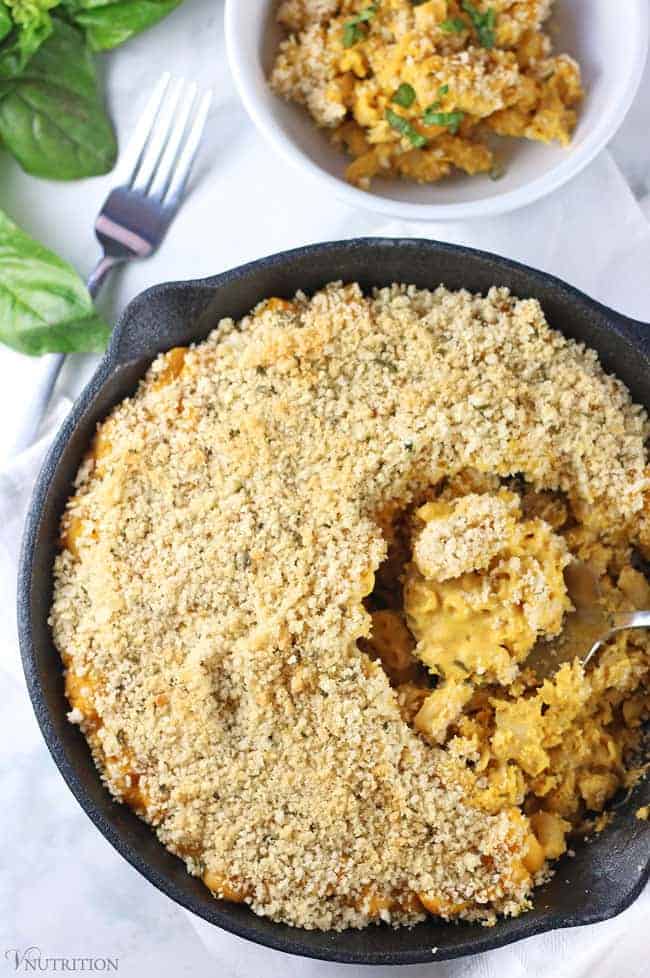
{"x":62,"y":887}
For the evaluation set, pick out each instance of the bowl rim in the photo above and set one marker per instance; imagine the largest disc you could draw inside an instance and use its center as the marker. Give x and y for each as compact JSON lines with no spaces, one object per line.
{"x":278,"y":937}
{"x":576,"y":160}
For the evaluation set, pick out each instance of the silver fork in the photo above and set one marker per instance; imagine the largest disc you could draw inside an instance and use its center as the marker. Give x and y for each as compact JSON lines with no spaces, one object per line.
{"x":151,"y":181}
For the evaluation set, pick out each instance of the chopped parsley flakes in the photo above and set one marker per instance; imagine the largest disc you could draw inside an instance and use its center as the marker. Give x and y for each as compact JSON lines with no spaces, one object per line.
{"x":450,"y":120}
{"x":443,"y":90}
{"x":353,"y":30}
{"x":405,"y":95}
{"x":404,"y":128}
{"x":453,"y":25}
{"x":483,"y":24}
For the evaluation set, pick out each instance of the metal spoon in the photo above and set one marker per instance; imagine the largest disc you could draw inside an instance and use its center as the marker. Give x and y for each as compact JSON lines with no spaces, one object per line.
{"x":588,"y":627}
{"x":618,"y":622}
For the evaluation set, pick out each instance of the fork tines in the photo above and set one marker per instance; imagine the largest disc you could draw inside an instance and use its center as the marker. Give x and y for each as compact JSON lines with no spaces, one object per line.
{"x":159,"y":157}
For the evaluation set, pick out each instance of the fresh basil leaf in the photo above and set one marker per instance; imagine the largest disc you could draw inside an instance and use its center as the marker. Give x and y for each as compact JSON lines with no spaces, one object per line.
{"x":108,"y":23}
{"x":44,"y":305}
{"x":24,"y":26}
{"x":51,"y":116}
{"x":6,"y":23}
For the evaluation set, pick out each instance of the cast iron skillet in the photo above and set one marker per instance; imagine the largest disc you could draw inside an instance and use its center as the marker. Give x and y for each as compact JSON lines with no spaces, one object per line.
{"x":606,"y":874}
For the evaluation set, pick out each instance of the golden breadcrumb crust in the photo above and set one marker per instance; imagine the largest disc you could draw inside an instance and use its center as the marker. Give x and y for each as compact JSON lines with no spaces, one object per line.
{"x":208,"y":598}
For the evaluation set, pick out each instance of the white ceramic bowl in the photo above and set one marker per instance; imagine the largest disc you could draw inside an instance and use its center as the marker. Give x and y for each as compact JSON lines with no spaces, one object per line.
{"x":609,"y":39}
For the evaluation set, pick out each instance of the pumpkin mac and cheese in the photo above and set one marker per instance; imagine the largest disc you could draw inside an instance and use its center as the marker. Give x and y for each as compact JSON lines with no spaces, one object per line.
{"x":414,"y":90}
{"x":301,"y":577}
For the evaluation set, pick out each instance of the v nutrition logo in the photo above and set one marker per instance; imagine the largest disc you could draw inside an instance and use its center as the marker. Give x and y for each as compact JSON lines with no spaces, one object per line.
{"x":32,"y":959}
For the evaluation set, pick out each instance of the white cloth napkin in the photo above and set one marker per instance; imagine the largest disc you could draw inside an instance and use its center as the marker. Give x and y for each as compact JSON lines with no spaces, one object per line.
{"x":16,"y":481}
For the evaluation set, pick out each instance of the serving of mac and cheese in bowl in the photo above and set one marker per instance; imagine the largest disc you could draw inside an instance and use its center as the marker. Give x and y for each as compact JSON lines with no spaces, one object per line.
{"x":442,"y":109}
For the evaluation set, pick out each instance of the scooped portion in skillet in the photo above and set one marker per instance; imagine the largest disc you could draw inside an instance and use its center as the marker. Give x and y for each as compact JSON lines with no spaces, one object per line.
{"x":299,"y":579}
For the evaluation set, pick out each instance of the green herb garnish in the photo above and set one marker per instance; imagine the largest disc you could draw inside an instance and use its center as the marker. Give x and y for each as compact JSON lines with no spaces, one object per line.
{"x":404,"y":128}
{"x":453,"y":25}
{"x":405,"y":95}
{"x":483,"y":23}
{"x":450,"y":120}
{"x":353,"y":30}
{"x":443,"y":90}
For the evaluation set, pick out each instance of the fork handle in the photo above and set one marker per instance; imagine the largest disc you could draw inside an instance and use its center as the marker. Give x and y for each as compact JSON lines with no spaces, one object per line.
{"x":41,"y":392}
{"x":100,"y":272}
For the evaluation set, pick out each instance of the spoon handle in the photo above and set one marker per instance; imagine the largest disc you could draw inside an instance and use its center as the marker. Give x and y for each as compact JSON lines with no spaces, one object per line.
{"x":630,"y":619}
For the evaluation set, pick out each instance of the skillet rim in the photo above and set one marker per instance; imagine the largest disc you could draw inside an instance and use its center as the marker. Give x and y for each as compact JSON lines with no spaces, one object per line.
{"x":228,"y":916}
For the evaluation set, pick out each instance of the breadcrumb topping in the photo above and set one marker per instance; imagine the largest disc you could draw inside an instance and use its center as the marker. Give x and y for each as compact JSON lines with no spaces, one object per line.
{"x":464,"y":535}
{"x":223,"y":533}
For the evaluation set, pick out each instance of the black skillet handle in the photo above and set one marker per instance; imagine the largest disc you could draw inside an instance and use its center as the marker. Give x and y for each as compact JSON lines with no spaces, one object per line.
{"x":155,"y":321}
{"x":638,"y":332}
{"x":158,"y":319}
